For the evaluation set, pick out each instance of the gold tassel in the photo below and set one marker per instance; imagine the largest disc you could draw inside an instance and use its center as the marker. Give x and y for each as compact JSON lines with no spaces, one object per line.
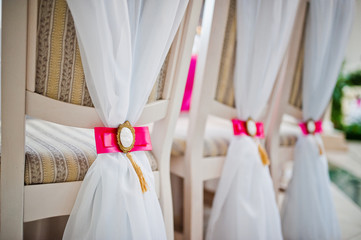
{"x":320,"y":149}
{"x":143,"y":183}
{"x":263,"y":154}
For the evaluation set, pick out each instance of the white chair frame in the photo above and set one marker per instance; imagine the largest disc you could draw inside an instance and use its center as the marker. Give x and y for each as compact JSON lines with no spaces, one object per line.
{"x":21,"y":203}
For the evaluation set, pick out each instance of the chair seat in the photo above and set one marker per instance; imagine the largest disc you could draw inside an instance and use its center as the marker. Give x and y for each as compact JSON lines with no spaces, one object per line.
{"x":55,"y":153}
{"x":217,"y":137}
{"x":288,"y":134}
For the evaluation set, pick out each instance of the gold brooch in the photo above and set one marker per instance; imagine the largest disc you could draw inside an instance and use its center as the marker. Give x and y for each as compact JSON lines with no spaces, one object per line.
{"x":311,"y":126}
{"x":125,"y":137}
{"x":251,"y":127}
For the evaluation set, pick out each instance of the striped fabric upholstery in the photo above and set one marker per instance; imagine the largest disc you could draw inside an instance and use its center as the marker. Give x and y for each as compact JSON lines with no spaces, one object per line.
{"x":287,"y":140}
{"x":213,"y":147}
{"x":289,"y":132}
{"x":295,"y":98}
{"x":59,"y":70}
{"x":225,"y":89}
{"x":56,"y":153}
{"x":217,"y":137}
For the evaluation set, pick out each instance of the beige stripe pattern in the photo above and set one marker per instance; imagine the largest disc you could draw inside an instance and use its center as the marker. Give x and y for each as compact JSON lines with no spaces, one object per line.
{"x":288,"y":140}
{"x":56,"y":153}
{"x":212,"y":147}
{"x":225,"y":88}
{"x":59,"y":70}
{"x":295,"y":98}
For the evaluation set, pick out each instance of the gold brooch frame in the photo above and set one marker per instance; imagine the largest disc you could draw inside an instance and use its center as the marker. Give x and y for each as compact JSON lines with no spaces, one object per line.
{"x":247,"y":130}
{"x":126,"y":124}
{"x":314,"y":124}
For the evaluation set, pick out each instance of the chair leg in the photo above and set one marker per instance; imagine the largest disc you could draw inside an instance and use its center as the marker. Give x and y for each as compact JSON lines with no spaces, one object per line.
{"x":14,"y":35}
{"x":193,"y":209}
{"x":166,"y":203}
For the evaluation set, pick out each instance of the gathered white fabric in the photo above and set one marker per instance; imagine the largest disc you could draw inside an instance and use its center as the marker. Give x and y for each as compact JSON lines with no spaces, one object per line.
{"x":308,"y":211}
{"x":245,"y":206}
{"x":123,"y":45}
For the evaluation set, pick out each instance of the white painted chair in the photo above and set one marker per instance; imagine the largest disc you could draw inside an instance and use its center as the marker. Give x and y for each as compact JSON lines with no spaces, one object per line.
{"x":199,"y":155}
{"x":25,"y":47}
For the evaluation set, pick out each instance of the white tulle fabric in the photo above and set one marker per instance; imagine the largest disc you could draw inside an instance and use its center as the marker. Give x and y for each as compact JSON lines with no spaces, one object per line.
{"x":244,"y":206}
{"x":308,"y":211}
{"x":123,"y":45}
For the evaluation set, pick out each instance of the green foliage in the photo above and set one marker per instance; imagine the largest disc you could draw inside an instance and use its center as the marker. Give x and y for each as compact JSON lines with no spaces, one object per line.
{"x":353,"y":131}
{"x":352,"y":79}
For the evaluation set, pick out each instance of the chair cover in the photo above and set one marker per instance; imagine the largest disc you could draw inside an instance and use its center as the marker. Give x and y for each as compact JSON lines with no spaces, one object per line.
{"x":123,"y":45}
{"x":308,"y":211}
{"x":245,"y":206}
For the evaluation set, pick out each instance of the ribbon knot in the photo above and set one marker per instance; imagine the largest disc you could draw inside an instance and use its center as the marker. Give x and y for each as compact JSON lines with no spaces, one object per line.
{"x":252,"y":129}
{"x":310,"y":127}
{"x":249,"y":127}
{"x":124,"y":139}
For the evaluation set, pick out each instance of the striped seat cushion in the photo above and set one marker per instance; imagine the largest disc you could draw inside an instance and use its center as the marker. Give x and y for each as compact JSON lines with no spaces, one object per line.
{"x":55,"y":153}
{"x":217,"y":137}
{"x":59,"y":70}
{"x":288,"y":134}
{"x":287,"y":140}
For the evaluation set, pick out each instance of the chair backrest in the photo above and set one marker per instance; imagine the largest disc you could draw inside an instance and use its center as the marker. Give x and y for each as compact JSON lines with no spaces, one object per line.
{"x":213,"y":92}
{"x":56,"y":83}
{"x":293,"y":103}
{"x":225,"y":88}
{"x":59,"y":71}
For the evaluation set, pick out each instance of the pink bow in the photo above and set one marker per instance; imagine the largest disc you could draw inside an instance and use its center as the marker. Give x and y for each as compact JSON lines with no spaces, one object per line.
{"x":106,"y":140}
{"x":240,"y":128}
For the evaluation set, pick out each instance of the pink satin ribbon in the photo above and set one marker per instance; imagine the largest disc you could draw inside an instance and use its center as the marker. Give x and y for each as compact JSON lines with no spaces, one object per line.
{"x":240,"y":128}
{"x":106,"y":140}
{"x":318,"y":127}
{"x":189,"y":85}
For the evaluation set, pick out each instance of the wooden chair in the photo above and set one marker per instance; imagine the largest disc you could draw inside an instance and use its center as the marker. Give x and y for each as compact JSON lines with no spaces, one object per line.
{"x":42,"y":77}
{"x":199,"y":156}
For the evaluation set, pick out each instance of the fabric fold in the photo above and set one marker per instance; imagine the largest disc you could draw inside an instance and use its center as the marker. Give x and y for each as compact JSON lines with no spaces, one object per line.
{"x":308,"y":211}
{"x":245,"y":206}
{"x":123,"y":45}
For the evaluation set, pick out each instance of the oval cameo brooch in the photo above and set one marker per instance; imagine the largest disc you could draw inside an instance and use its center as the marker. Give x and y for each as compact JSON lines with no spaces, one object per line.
{"x":251,"y":127}
{"x":125,"y":137}
{"x":311,"y":126}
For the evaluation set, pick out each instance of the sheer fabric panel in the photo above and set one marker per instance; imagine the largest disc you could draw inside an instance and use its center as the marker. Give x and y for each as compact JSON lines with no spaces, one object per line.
{"x":244,"y":206}
{"x":308,"y":211}
{"x":123,"y":45}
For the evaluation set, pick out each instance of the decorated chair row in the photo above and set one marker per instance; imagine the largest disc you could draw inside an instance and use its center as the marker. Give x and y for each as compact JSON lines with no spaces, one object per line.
{"x":248,"y":55}
{"x":236,"y":79}
{"x":49,"y":49}
{"x":228,"y":45}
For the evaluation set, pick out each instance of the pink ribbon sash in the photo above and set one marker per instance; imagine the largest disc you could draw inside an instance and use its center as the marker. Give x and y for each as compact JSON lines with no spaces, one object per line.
{"x":318,"y":127}
{"x":240,"y":128}
{"x":106,"y":140}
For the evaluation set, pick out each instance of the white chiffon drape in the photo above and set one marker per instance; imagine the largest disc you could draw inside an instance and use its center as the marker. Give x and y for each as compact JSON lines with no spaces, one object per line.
{"x":123,"y":45}
{"x":308,"y":211}
{"x":245,"y":206}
